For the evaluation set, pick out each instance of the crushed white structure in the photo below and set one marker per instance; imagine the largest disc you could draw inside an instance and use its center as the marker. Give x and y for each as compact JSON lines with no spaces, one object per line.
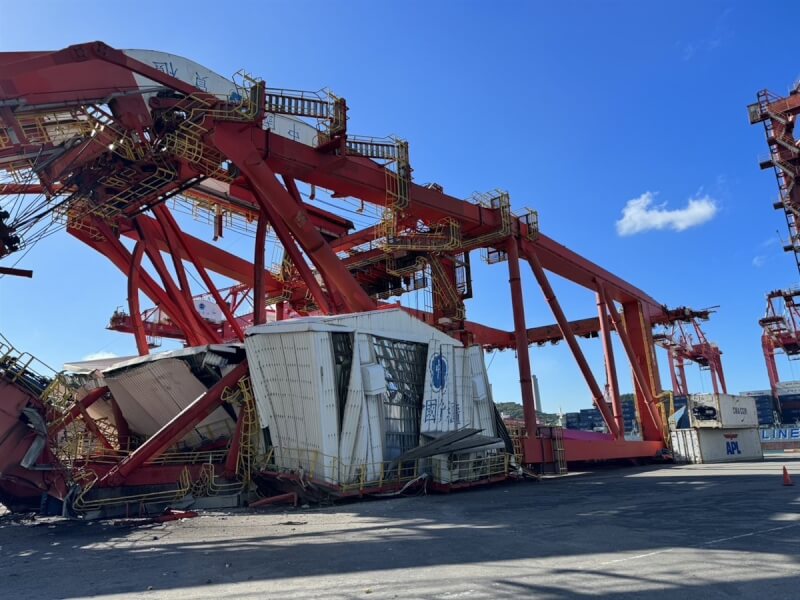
{"x":351,"y":397}
{"x":151,"y":390}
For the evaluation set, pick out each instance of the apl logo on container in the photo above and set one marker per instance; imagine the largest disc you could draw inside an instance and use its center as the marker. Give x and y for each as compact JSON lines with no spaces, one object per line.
{"x":732,"y":444}
{"x":438,"y":372}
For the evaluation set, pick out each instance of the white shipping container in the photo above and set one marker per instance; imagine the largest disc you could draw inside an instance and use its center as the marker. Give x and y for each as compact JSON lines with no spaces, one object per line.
{"x":730,"y":411}
{"x":716,"y":445}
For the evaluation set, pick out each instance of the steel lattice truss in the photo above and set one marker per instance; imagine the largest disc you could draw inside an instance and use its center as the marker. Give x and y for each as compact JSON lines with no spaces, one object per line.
{"x":111,"y":144}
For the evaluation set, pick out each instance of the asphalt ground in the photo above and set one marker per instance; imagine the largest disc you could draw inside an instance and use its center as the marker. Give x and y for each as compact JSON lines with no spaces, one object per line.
{"x":694,"y":531}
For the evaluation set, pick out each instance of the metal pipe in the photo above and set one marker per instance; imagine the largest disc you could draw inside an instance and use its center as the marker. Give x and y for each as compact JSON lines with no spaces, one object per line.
{"x":572,"y":342}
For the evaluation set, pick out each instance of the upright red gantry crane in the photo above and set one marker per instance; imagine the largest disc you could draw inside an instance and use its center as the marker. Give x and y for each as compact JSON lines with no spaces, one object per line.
{"x":780,"y":322}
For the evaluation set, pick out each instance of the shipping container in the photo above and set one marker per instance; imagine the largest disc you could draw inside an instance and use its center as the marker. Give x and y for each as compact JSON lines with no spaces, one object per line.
{"x":722,"y":411}
{"x":716,"y":445}
{"x":788,"y":387}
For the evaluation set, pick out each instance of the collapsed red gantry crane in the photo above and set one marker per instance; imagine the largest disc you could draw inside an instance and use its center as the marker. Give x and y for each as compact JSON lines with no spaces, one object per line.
{"x":109,"y":140}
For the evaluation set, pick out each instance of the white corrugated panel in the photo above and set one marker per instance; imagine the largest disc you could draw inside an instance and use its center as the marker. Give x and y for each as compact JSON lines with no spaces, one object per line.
{"x":152,"y":394}
{"x":716,"y":445}
{"x":293,"y":382}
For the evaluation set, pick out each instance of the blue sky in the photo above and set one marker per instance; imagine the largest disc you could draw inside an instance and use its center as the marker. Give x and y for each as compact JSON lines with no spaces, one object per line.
{"x":575,"y":108}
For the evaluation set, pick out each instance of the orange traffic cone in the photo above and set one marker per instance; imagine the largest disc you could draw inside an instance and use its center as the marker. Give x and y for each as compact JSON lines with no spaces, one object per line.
{"x":786,"y":479}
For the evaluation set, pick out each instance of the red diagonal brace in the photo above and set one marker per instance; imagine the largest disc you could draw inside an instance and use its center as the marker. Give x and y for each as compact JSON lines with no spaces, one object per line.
{"x":641,"y":381}
{"x":273,"y":196}
{"x":171,"y":433}
{"x":572,"y":342}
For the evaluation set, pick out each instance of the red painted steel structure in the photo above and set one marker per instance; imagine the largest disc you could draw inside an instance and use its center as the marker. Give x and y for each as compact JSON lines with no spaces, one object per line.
{"x":780,"y":332}
{"x":128,"y":152}
{"x":780,"y":322}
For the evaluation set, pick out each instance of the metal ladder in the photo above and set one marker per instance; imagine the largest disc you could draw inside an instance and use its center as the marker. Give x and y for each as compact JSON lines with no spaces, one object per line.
{"x":559,"y":456}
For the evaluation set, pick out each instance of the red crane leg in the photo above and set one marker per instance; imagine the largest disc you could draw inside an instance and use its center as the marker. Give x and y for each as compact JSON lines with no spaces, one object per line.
{"x":259,"y":308}
{"x":133,"y":300}
{"x":268,"y":190}
{"x":611,"y":365}
{"x":201,"y":329}
{"x":170,"y":221}
{"x":681,"y":366}
{"x":196,"y":334}
{"x":177,"y":261}
{"x":289,"y":245}
{"x":772,"y":366}
{"x":566,"y":331}
{"x":720,"y":374}
{"x":171,"y":433}
{"x":211,"y":257}
{"x":333,"y":293}
{"x":521,"y":339}
{"x":113,"y":249}
{"x":650,"y":418}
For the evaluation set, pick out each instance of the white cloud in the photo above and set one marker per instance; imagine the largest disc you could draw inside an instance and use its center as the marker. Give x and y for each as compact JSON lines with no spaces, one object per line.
{"x":640,"y":214}
{"x":99,"y":355}
{"x":758,"y":261}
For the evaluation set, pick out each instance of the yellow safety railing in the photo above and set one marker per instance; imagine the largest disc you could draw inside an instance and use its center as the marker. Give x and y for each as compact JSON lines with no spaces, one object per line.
{"x":312,"y":465}
{"x":88,"y":479}
{"x":445,"y":289}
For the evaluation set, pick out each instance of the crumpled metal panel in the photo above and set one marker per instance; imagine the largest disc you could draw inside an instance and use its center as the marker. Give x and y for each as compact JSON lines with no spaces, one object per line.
{"x":151,"y":394}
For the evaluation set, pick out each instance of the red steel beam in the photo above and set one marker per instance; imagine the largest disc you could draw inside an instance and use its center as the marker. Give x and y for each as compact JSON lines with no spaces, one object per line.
{"x":168,"y":220}
{"x":259,"y":297}
{"x":113,"y":249}
{"x":200,"y":331}
{"x":365,"y":179}
{"x":133,"y":300}
{"x":272,"y":196}
{"x":523,"y":358}
{"x":211,"y":257}
{"x":651,"y":421}
{"x":572,"y":342}
{"x":177,"y":428}
{"x":611,"y":366}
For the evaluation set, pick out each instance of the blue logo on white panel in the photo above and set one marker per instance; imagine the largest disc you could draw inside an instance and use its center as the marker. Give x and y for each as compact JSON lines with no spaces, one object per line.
{"x":438,"y":372}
